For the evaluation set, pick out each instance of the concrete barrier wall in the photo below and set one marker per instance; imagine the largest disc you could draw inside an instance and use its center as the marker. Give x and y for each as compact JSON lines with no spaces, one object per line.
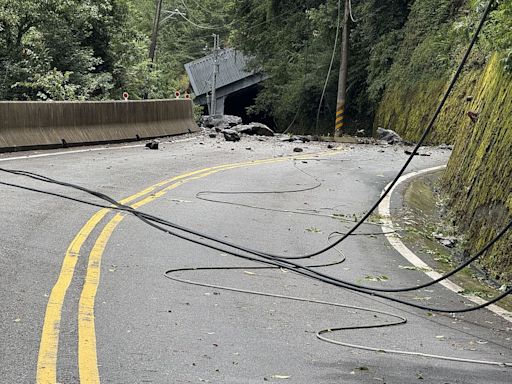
{"x":25,"y":125}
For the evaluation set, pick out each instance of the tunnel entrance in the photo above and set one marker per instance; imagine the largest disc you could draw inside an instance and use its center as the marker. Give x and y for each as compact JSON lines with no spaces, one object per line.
{"x":237,"y":103}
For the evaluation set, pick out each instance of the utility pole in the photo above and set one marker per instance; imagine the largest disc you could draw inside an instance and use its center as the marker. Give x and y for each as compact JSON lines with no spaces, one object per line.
{"x":154,"y":34}
{"x":342,"y":82}
{"x":216,"y":49}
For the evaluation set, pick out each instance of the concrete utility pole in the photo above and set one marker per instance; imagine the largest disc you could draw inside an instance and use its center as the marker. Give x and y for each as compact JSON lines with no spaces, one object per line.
{"x":342,"y":83}
{"x":154,"y":34}
{"x":216,"y":65}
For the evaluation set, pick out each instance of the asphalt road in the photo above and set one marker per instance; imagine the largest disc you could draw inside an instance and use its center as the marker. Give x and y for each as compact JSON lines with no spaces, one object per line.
{"x":86,"y":300}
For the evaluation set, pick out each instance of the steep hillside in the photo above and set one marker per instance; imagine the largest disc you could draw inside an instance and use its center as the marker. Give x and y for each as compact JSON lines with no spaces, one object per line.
{"x":478,"y":181}
{"x":479,"y":176}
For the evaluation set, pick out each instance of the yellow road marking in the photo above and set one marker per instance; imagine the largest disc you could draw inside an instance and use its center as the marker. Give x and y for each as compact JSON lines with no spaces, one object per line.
{"x":48,"y":351}
{"x":48,"y":348}
{"x":46,"y":372}
{"x":87,"y":359}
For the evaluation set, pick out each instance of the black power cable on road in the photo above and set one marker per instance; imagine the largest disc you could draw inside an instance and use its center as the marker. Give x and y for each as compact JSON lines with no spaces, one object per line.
{"x":321,"y":334}
{"x":262,"y":257}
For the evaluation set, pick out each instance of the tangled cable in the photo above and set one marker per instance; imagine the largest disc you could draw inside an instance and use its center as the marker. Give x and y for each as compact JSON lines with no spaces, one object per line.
{"x":152,"y":220}
{"x":287,"y":262}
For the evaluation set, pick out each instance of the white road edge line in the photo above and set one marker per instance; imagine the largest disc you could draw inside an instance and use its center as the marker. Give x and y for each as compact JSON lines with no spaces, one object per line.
{"x":396,"y":243}
{"x":87,"y":150}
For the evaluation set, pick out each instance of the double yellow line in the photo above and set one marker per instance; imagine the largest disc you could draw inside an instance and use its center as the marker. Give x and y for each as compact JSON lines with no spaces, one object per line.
{"x":87,"y":355}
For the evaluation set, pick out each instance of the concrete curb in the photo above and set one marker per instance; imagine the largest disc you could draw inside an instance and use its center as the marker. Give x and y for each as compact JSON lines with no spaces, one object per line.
{"x":400,"y":247}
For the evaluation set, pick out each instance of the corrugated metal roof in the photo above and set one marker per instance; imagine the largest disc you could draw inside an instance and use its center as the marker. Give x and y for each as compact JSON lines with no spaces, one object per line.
{"x":232,"y":68}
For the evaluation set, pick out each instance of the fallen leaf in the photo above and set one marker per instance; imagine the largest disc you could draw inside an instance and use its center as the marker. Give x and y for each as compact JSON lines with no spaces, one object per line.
{"x":413,"y":268}
{"x":419,"y":298}
{"x":376,"y":278}
{"x":179,"y":201}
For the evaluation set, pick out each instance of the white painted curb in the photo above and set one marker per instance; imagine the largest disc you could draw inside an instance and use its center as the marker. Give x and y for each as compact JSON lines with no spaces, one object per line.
{"x":388,"y":229}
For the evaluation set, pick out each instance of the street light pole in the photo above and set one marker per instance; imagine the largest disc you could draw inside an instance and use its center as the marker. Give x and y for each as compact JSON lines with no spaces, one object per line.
{"x":342,"y":82}
{"x":216,"y":48}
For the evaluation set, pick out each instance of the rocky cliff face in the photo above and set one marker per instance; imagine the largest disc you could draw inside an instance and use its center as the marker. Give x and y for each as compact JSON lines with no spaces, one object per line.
{"x":478,"y":181}
{"x":479,"y":175}
{"x":477,"y":117}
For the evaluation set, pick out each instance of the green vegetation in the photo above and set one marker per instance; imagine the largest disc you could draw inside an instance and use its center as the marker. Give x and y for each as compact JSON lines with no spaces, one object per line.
{"x":63,"y":50}
{"x":426,"y":61}
{"x":96,"y":49}
{"x":298,"y":50}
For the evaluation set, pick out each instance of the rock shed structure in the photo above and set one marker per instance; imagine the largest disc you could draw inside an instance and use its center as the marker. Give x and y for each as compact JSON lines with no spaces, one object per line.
{"x":236,"y":86}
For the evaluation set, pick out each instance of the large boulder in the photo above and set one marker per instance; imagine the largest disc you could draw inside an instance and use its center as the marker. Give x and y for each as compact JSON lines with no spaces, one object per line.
{"x":243,"y":129}
{"x":391,"y":137}
{"x":224,"y":120}
{"x":254,"y":129}
{"x":231,"y":135}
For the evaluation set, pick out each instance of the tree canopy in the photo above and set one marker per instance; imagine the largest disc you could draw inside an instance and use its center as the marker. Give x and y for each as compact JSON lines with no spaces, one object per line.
{"x":97,"y":49}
